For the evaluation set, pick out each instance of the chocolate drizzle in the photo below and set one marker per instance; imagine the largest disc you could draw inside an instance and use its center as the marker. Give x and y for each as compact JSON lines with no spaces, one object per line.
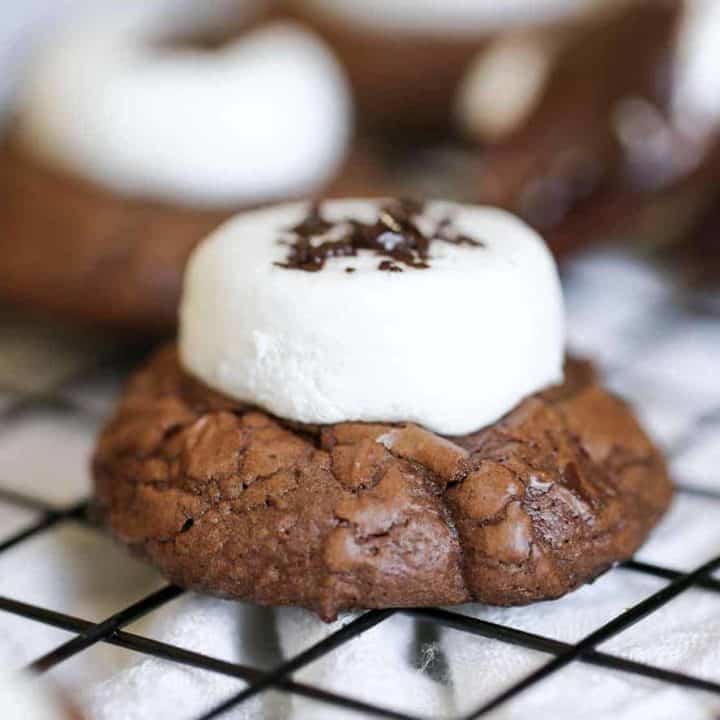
{"x":395,"y":235}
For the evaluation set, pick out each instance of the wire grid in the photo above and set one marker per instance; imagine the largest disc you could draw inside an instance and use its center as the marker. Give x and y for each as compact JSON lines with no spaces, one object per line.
{"x":86,"y":634}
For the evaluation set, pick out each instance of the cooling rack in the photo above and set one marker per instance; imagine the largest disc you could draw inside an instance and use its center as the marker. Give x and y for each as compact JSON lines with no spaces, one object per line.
{"x":653,"y":319}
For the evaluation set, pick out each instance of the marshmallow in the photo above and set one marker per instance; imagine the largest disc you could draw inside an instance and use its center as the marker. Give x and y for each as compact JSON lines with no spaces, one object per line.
{"x":508,"y":79}
{"x":696,"y":97}
{"x":265,"y":116}
{"x":451,"y":347}
{"x":23,"y":697}
{"x":504,"y":84}
{"x":452,"y":16}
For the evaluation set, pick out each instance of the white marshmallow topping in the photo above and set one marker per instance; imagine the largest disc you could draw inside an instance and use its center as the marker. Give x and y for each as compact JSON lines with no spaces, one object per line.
{"x":265,"y":116}
{"x":461,"y":17}
{"x":696,"y":97}
{"x":452,"y":347}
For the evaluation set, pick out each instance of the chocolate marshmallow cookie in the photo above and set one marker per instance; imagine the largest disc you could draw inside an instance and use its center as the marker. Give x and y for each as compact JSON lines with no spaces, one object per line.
{"x":133,"y":138}
{"x":368,"y":408}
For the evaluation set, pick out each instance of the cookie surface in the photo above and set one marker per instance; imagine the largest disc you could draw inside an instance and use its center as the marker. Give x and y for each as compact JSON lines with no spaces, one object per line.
{"x":230,"y":500}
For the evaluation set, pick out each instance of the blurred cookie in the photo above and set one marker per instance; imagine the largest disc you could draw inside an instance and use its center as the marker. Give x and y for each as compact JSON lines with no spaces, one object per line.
{"x":133,"y":138}
{"x":406,"y":60}
{"x":611,"y":133}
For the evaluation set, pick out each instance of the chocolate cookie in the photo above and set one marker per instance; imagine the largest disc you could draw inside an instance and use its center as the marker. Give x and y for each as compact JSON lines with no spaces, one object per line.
{"x":225,"y":498}
{"x":76,"y":249}
{"x":585,"y":147}
{"x":100,"y":207}
{"x":70,"y":247}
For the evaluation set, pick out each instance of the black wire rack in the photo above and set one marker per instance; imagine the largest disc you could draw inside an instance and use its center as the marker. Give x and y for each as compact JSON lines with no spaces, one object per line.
{"x":86,"y":634}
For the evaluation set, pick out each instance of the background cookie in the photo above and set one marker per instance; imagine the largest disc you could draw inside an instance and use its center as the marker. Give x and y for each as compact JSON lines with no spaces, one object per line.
{"x":406,"y":60}
{"x":131,"y":140}
{"x":78,"y":250}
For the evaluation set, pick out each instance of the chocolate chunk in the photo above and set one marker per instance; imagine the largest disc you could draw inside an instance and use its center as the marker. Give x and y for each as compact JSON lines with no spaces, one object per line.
{"x":394,"y":235}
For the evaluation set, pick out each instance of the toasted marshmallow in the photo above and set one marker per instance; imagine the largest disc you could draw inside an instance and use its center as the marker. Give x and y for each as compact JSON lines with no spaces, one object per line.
{"x":452,"y":346}
{"x":265,"y":116}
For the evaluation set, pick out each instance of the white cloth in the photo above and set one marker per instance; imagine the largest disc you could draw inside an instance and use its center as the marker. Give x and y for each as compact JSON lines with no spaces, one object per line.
{"x":154,"y":688}
{"x":23,"y":697}
{"x":375,"y":667}
{"x":662,"y":359}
